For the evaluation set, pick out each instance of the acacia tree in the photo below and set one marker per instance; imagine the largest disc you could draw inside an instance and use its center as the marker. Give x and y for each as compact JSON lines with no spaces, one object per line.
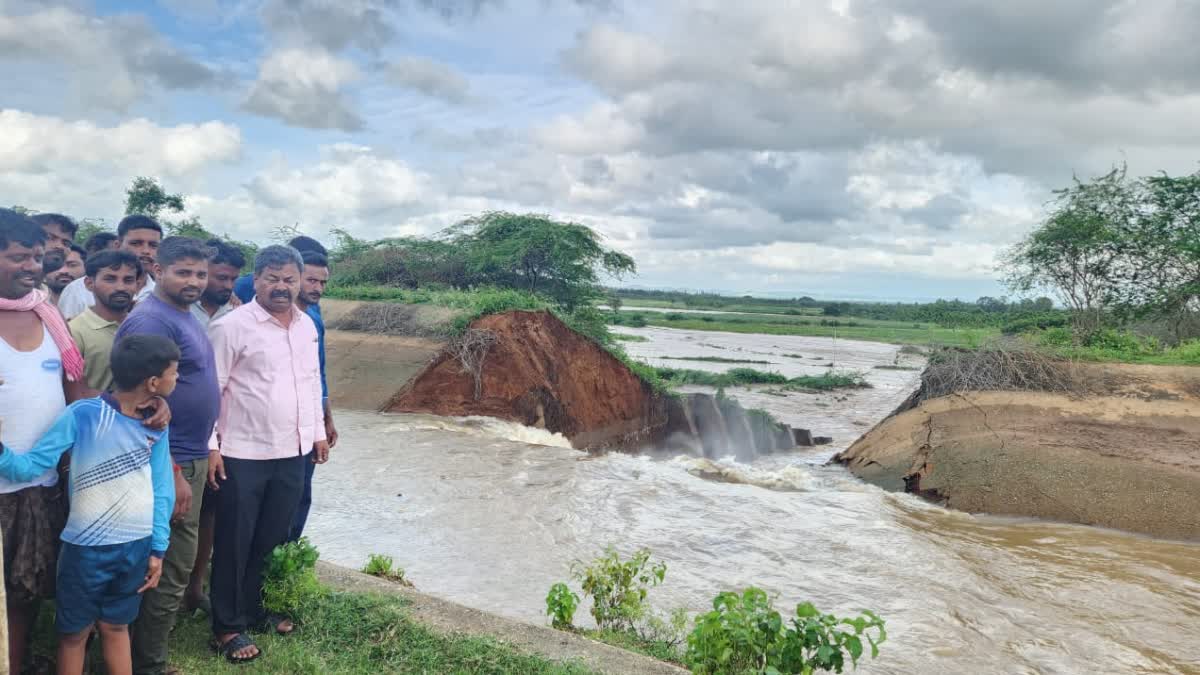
{"x":147,"y":197}
{"x":1080,"y":251}
{"x":1161,"y":274}
{"x":562,"y":260}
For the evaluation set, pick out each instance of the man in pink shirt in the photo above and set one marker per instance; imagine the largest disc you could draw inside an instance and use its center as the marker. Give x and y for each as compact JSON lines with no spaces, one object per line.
{"x":271,"y":423}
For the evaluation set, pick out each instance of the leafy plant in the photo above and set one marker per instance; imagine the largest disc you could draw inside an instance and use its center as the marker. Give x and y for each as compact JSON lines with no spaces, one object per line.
{"x":561,"y":603}
{"x":290,"y":578}
{"x":745,"y":634}
{"x":383,"y":567}
{"x":618,"y":587}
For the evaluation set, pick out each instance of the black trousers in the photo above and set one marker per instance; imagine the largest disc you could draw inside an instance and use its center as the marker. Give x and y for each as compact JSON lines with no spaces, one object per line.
{"x":255,"y":508}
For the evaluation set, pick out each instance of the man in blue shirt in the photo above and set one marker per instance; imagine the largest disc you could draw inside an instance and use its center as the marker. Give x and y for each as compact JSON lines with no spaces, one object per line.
{"x":312,"y":286}
{"x":182,"y":276}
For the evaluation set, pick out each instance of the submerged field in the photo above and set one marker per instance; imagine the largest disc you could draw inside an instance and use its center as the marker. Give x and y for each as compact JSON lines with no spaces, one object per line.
{"x":894,"y":332}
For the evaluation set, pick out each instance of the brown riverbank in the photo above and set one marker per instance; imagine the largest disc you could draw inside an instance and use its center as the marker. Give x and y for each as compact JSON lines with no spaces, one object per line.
{"x":1125,"y":455}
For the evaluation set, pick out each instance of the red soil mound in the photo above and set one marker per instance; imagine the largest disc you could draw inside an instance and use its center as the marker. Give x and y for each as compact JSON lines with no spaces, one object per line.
{"x":541,"y":373}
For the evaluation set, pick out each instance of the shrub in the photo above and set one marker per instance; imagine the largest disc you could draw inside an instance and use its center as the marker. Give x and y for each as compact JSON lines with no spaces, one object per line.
{"x":588,"y":321}
{"x":1036,"y":321}
{"x":290,"y":578}
{"x":382,"y":566}
{"x":745,"y":634}
{"x":561,"y":603}
{"x":1056,"y":337}
{"x":636,"y":321}
{"x":618,"y":590}
{"x":618,"y":587}
{"x":675,"y":316}
{"x":1122,"y":342}
{"x":1187,"y":352}
{"x":385,"y":266}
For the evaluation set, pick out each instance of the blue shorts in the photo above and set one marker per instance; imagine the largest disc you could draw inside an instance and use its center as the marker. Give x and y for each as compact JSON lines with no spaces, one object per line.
{"x":100,"y":583}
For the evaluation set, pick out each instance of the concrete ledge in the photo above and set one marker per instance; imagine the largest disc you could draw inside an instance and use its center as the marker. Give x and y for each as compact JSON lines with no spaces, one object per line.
{"x":451,"y":618}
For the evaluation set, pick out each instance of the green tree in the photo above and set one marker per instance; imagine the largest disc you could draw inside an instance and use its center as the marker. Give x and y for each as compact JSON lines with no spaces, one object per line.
{"x":89,"y":227}
{"x":562,"y":260}
{"x":146,"y":196}
{"x":1160,"y":270}
{"x":1077,"y":253}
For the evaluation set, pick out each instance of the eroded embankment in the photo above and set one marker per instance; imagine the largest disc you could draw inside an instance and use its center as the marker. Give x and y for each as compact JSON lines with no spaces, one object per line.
{"x":538,"y":372}
{"x":1126,"y":454}
{"x":531,"y":368}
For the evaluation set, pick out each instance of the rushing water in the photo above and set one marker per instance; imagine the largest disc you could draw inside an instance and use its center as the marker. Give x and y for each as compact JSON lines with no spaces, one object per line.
{"x":490,"y":514}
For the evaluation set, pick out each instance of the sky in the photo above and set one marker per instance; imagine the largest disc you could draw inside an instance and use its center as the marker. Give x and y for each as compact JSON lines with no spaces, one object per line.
{"x":848,"y":149}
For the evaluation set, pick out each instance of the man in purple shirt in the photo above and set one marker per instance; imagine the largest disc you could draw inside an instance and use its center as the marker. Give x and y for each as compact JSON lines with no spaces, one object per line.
{"x":271,"y":424}
{"x":182,"y":268}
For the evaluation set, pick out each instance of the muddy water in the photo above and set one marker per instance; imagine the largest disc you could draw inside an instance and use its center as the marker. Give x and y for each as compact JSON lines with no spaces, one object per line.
{"x":490,"y":515}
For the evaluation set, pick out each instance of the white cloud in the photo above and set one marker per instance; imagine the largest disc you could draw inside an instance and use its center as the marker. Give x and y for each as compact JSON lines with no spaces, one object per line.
{"x":304,"y":87}
{"x":350,"y":186}
{"x":109,"y":61}
{"x":82,"y":168}
{"x":34,"y":144}
{"x":431,"y":78}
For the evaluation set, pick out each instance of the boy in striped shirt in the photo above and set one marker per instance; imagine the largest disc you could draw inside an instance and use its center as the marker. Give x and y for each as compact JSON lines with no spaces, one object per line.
{"x":122,"y":493}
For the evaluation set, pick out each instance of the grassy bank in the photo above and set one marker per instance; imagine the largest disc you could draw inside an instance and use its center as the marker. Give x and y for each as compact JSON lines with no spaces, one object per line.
{"x":472,"y":303}
{"x":748,"y":306}
{"x":893,"y":332}
{"x":748,"y":376}
{"x":350,"y":633}
{"x":714,"y":359}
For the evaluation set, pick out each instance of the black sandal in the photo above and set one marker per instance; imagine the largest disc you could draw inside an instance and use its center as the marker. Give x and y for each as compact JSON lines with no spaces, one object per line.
{"x":233,"y":644}
{"x":270,"y":624}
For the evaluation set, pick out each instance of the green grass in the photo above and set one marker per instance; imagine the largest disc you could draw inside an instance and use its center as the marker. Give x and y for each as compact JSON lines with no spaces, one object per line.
{"x":894,"y":332}
{"x":629,"y":337}
{"x":474,"y":303}
{"x":1167,"y":357}
{"x":355,"y":633}
{"x":749,"y":307}
{"x":713,"y":359}
{"x":1117,"y":346}
{"x":630,"y":641}
{"x":747,"y":376}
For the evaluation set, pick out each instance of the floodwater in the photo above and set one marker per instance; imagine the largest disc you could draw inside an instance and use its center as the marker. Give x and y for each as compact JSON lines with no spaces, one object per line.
{"x":490,"y":514}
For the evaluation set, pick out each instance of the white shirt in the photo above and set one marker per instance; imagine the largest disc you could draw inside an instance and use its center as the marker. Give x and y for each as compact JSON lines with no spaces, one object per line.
{"x":31,"y":399}
{"x":202,"y":316}
{"x":76,"y":297}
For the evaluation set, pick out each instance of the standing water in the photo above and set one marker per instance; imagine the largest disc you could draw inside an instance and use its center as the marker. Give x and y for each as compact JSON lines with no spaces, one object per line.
{"x":490,"y":514}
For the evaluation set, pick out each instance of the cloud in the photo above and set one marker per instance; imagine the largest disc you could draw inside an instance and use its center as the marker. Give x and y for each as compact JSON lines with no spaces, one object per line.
{"x":350,"y":186}
{"x":83,"y":168}
{"x":110,"y":61}
{"x":36,"y":144}
{"x":1029,"y":87}
{"x":331,"y":24}
{"x":743,"y":145}
{"x":304,"y":88}
{"x":431,"y":78}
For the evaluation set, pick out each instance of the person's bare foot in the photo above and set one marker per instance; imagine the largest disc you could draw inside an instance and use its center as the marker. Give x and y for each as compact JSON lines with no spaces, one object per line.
{"x":246,"y":651}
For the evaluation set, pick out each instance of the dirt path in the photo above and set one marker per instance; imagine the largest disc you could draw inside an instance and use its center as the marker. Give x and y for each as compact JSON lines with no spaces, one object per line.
{"x":448,"y":617}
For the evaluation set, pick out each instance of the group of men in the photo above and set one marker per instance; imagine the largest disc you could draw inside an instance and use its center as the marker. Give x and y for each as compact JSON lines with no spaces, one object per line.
{"x":249,"y":414}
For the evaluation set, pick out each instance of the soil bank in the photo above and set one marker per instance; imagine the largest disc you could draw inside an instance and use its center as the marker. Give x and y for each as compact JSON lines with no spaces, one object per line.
{"x":1127,"y":457}
{"x":451,"y":618}
{"x":540,"y":373}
